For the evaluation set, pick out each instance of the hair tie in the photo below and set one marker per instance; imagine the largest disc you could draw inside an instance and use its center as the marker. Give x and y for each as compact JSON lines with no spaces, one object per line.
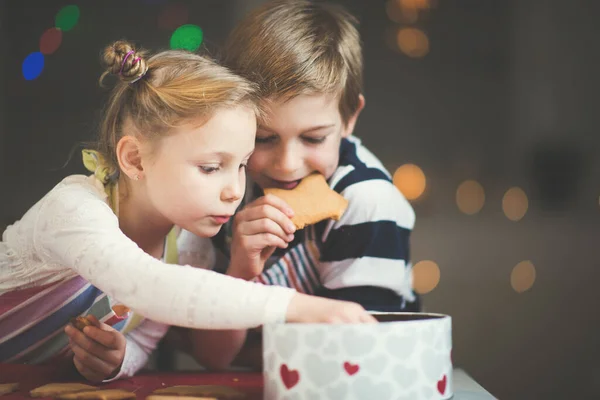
{"x":130,"y":52}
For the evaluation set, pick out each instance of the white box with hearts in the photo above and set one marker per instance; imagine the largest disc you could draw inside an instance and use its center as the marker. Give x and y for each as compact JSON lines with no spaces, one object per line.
{"x":405,"y":356}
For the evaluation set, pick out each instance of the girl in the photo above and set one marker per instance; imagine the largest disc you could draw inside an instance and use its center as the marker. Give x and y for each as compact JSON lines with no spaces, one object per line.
{"x":176,"y":136}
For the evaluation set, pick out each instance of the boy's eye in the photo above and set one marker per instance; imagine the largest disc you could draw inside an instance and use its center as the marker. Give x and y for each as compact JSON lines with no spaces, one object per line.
{"x":244,"y":165}
{"x":209,"y":169}
{"x":315,"y":140}
{"x":265,"y":139}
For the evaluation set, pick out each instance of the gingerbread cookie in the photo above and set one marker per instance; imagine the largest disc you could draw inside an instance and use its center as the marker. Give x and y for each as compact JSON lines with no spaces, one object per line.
{"x":6,"y":388}
{"x":57,"y":389}
{"x":210,"y":391}
{"x":312,"y":201}
{"x":80,"y":322}
{"x":106,"y":394}
{"x":175,"y":397}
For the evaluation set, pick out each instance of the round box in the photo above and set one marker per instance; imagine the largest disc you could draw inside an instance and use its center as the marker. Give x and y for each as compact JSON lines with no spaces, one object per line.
{"x":405,"y":356}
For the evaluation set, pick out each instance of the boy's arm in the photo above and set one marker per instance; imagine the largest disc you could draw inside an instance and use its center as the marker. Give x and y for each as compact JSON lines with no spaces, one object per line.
{"x":365,"y":255}
{"x":213,"y":349}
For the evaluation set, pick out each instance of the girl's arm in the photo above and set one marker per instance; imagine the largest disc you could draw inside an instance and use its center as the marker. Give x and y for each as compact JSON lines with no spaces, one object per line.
{"x":77,"y":229}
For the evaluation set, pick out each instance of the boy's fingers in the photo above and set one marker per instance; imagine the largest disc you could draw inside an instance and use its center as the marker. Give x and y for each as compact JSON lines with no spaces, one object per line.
{"x":279,"y":203}
{"x":267,"y":211}
{"x":264,"y":226}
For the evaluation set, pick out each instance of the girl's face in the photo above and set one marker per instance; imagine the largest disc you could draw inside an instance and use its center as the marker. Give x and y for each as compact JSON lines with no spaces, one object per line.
{"x":196,"y":176}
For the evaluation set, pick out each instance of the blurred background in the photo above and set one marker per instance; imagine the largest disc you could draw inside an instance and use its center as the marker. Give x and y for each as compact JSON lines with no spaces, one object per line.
{"x":485,"y":111}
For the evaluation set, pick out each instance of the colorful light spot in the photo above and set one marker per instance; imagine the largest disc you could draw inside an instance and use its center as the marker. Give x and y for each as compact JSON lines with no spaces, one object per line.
{"x":515,"y":204}
{"x":470,"y":197}
{"x":187,"y":37}
{"x":413,"y":42}
{"x":50,"y":41}
{"x":33,"y":65}
{"x":67,"y":18}
{"x":426,"y":276}
{"x":410,"y":180}
{"x":522,"y":276}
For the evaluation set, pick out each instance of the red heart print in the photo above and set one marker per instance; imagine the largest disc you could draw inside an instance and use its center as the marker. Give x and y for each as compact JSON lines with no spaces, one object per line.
{"x":289,"y":377}
{"x":441,"y":385}
{"x":351,"y":369}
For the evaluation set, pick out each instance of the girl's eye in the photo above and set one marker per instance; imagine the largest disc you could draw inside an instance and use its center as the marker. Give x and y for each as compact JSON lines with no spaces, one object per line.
{"x":209,"y":169}
{"x":265,"y":139}
{"x":313,"y":140}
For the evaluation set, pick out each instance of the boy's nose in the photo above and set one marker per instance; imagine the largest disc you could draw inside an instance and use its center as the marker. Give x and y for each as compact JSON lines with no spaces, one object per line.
{"x":288,"y":161}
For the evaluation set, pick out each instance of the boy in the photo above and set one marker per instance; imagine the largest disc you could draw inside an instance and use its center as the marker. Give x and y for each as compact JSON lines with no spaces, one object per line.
{"x":306,"y":59}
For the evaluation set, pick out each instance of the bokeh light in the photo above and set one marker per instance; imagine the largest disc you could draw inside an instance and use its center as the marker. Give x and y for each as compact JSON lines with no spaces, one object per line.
{"x":413,"y":42}
{"x":515,"y":204}
{"x":187,"y":37}
{"x":415,"y":4}
{"x":410,"y":180}
{"x":172,"y":16}
{"x":426,"y":276}
{"x":67,"y":18}
{"x":522,"y":276}
{"x":33,"y":65}
{"x":470,"y":197}
{"x":400,"y":15}
{"x":50,"y":41}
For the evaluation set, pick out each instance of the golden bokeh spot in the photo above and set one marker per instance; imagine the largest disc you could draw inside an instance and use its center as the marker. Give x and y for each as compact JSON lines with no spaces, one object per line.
{"x":410,"y":180}
{"x":522,"y":276}
{"x":515,"y":204}
{"x":470,"y":197}
{"x":399,"y":14}
{"x":414,"y":4}
{"x":426,"y":276}
{"x":413,"y":42}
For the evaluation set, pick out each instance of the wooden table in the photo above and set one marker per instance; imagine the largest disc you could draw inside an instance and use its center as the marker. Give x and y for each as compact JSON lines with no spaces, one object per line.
{"x":30,"y":377}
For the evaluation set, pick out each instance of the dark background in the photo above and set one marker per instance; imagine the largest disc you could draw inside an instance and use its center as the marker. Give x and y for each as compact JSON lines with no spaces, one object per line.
{"x":507,"y":95}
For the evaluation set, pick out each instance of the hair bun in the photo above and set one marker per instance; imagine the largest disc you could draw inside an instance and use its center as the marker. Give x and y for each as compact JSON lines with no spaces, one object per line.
{"x":123,"y":60}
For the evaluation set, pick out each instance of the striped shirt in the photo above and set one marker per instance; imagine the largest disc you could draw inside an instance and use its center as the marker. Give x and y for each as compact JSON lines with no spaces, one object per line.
{"x":367,"y":247}
{"x":32,"y":320}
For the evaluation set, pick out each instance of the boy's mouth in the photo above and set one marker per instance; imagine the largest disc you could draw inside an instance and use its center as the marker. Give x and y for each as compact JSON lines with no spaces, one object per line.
{"x":287,"y":185}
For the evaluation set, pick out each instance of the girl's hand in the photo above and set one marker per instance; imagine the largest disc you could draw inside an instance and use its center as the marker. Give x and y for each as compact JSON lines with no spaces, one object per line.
{"x":98,"y":351}
{"x":312,"y":309}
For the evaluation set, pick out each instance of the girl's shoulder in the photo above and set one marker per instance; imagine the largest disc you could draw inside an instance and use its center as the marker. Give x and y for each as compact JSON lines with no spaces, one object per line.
{"x":79,"y":187}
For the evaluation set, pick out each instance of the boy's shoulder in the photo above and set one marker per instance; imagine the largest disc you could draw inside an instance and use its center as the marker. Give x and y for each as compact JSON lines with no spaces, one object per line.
{"x":367,"y":185}
{"x":357,"y":164}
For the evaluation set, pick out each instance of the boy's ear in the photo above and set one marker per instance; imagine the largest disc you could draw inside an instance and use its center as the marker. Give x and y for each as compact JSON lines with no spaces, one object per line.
{"x":349,"y":128}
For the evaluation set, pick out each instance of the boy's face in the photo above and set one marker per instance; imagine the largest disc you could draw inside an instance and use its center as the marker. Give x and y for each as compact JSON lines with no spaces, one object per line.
{"x":299,"y":136}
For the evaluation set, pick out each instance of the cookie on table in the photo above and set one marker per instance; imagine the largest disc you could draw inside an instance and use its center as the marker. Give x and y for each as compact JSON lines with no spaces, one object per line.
{"x":57,"y":389}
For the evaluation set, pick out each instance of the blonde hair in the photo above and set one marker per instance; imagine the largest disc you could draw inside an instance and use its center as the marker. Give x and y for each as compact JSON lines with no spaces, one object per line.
{"x":293,"y":47}
{"x":158,"y":93}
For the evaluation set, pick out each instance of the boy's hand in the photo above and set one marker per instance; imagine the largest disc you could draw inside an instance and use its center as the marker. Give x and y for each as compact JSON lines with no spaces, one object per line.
{"x":98,"y":351}
{"x":258,"y":229}
{"x":311,"y":309}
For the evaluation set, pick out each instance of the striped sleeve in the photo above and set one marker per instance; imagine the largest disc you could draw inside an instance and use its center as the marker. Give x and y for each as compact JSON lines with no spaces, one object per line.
{"x":369,"y":246}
